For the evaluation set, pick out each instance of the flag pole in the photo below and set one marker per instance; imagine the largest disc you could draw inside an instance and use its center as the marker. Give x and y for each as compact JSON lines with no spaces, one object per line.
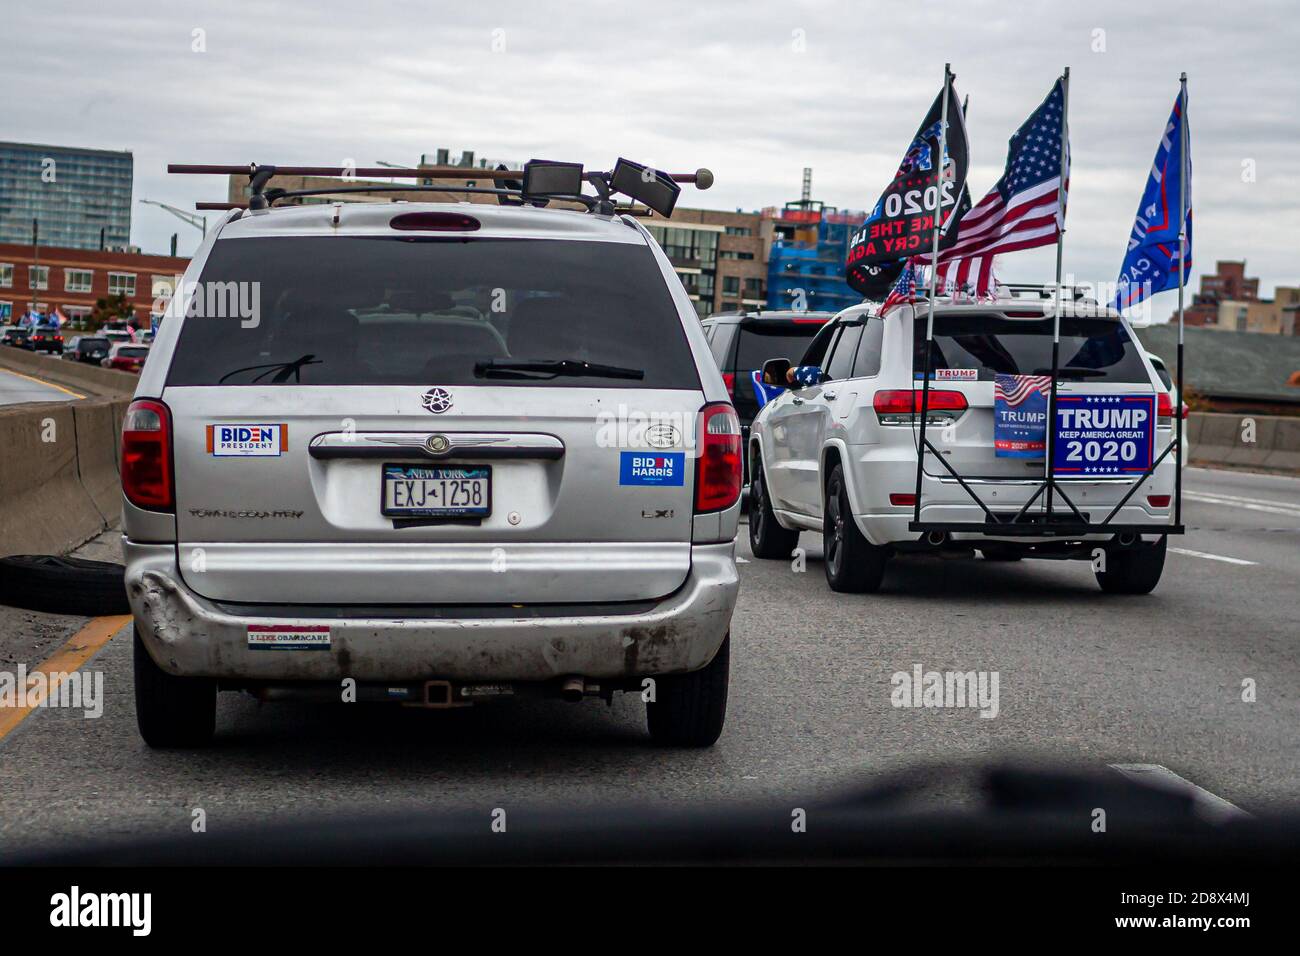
{"x":934,"y":274}
{"x":1182,"y":269}
{"x":1049,"y":433}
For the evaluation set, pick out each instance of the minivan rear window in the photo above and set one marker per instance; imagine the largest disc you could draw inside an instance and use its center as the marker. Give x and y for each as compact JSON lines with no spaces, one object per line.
{"x":1099,"y":349}
{"x":420,"y":311}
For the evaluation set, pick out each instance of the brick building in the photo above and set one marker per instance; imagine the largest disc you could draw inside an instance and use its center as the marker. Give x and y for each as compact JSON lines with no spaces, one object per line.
{"x":1229,"y":282}
{"x":71,"y":280}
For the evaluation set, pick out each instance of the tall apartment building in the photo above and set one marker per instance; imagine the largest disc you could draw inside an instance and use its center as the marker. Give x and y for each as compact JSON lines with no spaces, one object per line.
{"x":79,"y":198}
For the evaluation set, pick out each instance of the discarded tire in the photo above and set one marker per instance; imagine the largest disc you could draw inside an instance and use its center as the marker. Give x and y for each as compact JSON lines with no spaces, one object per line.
{"x":59,"y":585}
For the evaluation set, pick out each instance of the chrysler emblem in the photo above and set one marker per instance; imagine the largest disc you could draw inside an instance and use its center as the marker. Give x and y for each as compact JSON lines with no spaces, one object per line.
{"x":437,"y":444}
{"x":436,"y":400}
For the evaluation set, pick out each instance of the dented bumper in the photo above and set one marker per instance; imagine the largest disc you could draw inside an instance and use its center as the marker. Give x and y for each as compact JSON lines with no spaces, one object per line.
{"x":188,"y":635}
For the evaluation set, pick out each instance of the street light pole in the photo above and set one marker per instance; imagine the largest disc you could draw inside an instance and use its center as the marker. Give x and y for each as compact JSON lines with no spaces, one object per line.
{"x":198,"y":222}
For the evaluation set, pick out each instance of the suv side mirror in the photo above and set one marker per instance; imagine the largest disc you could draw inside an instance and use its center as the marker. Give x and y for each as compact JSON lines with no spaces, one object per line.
{"x":774,"y":371}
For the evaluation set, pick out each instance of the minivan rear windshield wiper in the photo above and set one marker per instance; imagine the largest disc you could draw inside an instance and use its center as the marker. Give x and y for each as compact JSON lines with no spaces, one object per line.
{"x":550,"y":368}
{"x":285,"y":369}
{"x":1075,"y":370}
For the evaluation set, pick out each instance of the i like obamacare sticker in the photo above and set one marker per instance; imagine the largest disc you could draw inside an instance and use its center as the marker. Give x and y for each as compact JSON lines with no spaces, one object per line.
{"x":643,"y":468}
{"x":247,"y":441}
{"x":288,"y":637}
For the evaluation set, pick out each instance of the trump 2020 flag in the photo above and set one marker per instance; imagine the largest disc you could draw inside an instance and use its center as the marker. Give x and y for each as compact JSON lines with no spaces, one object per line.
{"x":1151,"y":263}
{"x":1020,"y":415}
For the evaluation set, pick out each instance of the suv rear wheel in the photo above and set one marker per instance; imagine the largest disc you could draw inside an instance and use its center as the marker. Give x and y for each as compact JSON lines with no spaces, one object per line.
{"x":853,"y":564}
{"x":1133,"y":570}
{"x":767,"y":539}
{"x":172,"y":711}
{"x":690,"y":709}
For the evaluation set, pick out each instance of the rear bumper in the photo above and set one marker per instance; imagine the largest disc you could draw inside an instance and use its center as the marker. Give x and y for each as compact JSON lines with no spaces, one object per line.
{"x":188,"y":635}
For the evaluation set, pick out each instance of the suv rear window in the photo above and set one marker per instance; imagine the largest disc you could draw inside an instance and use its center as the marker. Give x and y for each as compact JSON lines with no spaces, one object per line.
{"x":760,"y":341}
{"x":408,"y":311}
{"x":92,"y":344}
{"x":133,"y":351}
{"x":993,"y":344}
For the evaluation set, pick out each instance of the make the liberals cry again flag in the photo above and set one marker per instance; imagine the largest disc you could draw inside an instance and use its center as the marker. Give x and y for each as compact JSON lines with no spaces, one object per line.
{"x":901,"y":224}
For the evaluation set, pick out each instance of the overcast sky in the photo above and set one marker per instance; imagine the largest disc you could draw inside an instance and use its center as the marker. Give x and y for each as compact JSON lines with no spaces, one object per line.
{"x":754,"y":91}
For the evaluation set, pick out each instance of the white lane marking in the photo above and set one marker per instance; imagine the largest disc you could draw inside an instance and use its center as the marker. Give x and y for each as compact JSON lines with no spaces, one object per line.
{"x":1249,"y":504}
{"x":1213,"y":557}
{"x":740,"y":560}
{"x":1209,"y":806}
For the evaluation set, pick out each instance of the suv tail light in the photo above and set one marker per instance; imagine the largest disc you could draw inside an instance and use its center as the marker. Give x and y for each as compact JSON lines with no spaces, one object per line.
{"x":901,"y":406}
{"x":729,"y":380}
{"x":147,"y":455}
{"x":717,"y":469}
{"x":1165,"y":407}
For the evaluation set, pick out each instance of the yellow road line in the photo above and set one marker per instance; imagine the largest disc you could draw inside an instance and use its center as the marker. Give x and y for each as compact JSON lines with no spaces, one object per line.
{"x":81,"y":647}
{"x":41,"y":381}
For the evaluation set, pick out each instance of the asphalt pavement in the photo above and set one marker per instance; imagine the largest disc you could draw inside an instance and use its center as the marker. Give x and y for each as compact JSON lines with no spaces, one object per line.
{"x":1084,"y":678}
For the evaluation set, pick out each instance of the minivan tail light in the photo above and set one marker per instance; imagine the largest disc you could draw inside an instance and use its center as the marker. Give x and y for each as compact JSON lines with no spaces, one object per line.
{"x":900,"y":406}
{"x":147,"y":456}
{"x":718,"y":467}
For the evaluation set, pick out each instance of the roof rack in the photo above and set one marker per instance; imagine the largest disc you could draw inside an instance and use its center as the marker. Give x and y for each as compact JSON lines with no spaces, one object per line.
{"x":537,"y":184}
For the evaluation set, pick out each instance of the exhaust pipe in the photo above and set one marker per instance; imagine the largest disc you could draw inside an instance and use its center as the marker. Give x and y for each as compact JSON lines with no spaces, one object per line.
{"x":1128,"y":539}
{"x":937,"y":538}
{"x":573,"y":689}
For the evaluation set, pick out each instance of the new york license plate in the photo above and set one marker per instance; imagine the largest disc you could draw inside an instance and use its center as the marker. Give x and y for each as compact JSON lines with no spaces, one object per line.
{"x":414,"y":491}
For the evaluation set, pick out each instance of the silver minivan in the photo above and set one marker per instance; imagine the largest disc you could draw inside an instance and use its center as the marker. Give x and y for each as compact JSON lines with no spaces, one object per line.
{"x":433,"y":454}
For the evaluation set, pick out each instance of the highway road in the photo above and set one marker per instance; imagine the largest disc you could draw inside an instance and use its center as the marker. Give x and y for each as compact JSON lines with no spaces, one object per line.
{"x":1084,"y":678}
{"x":19,"y":387}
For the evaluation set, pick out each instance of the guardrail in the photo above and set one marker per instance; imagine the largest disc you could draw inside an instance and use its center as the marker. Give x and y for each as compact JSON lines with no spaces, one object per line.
{"x":59,"y":483}
{"x":1266,"y":442}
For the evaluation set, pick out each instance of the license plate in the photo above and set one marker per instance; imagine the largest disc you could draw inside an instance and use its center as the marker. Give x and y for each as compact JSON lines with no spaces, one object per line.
{"x":413,"y":491}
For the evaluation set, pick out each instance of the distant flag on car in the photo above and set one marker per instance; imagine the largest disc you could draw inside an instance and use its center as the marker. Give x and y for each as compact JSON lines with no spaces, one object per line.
{"x":1020,"y":211}
{"x":1151,"y":262}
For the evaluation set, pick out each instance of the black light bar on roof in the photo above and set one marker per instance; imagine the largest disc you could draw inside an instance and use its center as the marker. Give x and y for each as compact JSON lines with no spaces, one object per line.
{"x":548,"y":179}
{"x":649,"y":186}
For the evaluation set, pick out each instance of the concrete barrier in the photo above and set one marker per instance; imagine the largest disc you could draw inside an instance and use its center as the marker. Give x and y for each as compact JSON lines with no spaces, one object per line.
{"x":45,"y":507}
{"x":1220,"y":439}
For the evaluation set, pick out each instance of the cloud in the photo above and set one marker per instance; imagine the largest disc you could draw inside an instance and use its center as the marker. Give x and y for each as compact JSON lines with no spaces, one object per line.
{"x":754,"y":91}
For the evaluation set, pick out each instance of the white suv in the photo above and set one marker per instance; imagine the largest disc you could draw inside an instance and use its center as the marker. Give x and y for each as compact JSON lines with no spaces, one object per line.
{"x":840,"y":456}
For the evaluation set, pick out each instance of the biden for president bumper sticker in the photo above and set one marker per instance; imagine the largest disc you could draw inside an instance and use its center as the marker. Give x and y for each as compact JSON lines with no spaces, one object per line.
{"x":647,"y":468}
{"x":247,"y":441}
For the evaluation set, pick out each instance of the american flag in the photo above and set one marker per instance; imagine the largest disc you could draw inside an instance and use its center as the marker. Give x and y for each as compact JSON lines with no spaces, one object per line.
{"x":1014,"y":389}
{"x":904,"y":289}
{"x":1020,"y":211}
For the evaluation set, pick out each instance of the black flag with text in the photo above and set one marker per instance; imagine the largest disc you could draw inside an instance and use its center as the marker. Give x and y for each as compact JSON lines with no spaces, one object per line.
{"x":901,"y":224}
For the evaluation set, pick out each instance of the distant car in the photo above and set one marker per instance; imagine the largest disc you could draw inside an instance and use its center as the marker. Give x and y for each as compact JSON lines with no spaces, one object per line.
{"x":126,"y":357}
{"x":742,"y":341}
{"x":46,"y":338}
{"x":115,"y":335}
{"x":15,"y":336}
{"x":1168,"y":381}
{"x":87,"y":348}
{"x":146,"y":338}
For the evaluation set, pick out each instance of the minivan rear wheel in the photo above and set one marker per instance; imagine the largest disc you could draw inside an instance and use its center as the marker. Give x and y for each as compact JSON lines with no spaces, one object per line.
{"x":767,"y":539}
{"x":172,"y":711}
{"x":689,"y":710}
{"x":853,"y":564}
{"x":1133,"y":570}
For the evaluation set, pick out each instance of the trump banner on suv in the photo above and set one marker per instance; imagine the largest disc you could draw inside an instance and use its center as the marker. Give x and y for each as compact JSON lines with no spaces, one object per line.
{"x":901,"y":224}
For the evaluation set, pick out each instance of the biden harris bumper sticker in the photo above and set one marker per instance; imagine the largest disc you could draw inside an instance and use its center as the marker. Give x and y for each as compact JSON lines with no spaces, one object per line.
{"x":646,"y":468}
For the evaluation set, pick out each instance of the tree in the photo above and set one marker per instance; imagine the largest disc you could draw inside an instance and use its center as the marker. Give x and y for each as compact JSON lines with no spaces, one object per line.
{"x":112,"y":308}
